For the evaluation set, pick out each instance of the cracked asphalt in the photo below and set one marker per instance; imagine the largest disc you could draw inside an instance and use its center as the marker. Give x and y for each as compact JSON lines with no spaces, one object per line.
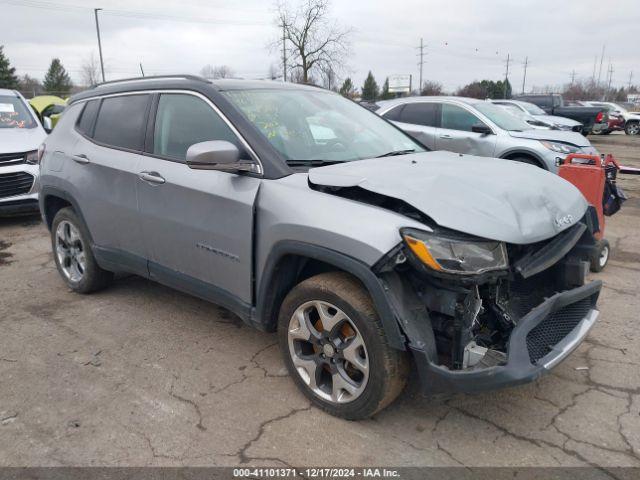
{"x":141,"y":375}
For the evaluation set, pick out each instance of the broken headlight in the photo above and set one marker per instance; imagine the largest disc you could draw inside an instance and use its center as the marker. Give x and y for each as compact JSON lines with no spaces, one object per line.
{"x":455,"y":255}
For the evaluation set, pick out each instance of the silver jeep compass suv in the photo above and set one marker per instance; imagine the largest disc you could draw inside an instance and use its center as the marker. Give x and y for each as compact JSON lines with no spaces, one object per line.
{"x":305,"y":213}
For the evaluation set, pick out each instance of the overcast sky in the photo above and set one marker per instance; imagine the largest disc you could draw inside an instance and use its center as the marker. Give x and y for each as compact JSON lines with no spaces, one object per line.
{"x":466,"y":39}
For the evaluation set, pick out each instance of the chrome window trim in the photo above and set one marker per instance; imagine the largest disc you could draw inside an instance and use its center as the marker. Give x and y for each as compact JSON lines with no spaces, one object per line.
{"x":224,"y":118}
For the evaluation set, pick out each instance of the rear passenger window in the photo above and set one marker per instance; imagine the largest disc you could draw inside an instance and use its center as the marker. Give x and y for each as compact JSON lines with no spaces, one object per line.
{"x":121,"y":121}
{"x":88,"y":117}
{"x":184,"y":120}
{"x":420,"y":114}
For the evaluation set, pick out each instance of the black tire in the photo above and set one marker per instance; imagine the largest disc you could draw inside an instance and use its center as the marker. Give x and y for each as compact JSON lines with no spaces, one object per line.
{"x":632,"y":128}
{"x":606,"y":132}
{"x":93,"y":277}
{"x":600,"y":256}
{"x":388,"y":368}
{"x":528,"y":161}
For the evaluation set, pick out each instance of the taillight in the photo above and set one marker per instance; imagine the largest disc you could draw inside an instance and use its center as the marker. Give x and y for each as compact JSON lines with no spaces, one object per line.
{"x":599,"y":117}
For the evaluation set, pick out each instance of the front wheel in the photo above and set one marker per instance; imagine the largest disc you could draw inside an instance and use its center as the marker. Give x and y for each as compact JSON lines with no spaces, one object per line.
{"x":632,"y":128}
{"x":600,"y":256}
{"x":335,"y":348}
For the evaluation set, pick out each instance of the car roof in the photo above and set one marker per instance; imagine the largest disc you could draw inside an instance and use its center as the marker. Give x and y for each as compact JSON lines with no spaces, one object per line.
{"x":6,"y":91}
{"x":187,"y":82}
{"x":405,"y":100}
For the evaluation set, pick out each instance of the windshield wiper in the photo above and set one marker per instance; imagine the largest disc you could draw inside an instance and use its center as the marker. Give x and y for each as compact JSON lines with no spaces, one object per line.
{"x":397,"y":152}
{"x":312,"y":163}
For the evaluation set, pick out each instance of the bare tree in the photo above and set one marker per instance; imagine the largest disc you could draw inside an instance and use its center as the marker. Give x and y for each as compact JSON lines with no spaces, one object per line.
{"x":312,"y":40}
{"x":218,"y":71}
{"x":329,"y":77}
{"x":90,"y":71}
{"x":273,"y":72}
{"x":431,"y":88}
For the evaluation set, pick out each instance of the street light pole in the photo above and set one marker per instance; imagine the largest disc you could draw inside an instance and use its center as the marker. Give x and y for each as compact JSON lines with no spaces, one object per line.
{"x":95,"y":12}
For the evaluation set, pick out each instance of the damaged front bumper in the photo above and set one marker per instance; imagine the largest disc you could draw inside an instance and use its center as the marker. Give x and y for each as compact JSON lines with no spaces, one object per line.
{"x":540,"y":341}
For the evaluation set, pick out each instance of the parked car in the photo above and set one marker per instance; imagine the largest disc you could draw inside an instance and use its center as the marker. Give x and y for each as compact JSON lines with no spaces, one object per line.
{"x":552,"y":121}
{"x":21,"y":133}
{"x":48,"y":106}
{"x":631,"y":119}
{"x":533,"y":122}
{"x":359,"y":247}
{"x":594,"y":119}
{"x":477,"y":127}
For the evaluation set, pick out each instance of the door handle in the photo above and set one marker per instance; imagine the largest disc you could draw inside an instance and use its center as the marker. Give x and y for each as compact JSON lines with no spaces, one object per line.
{"x":448,"y":137}
{"x":152,"y":177}
{"x":80,"y":158}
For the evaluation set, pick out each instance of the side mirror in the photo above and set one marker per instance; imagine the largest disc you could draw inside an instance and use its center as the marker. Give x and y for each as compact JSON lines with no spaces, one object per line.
{"x":481,"y":128}
{"x":47,"y":124}
{"x":218,"y":155}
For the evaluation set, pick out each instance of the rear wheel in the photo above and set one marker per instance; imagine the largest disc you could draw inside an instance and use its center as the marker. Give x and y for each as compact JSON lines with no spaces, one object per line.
{"x":335,"y":348}
{"x":632,"y":128}
{"x":73,"y":256}
{"x":600,"y":256}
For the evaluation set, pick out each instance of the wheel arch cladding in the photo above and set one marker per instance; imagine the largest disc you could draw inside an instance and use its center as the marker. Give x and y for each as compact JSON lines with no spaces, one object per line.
{"x":290,"y":262}
{"x":52,"y":204}
{"x":519,"y":154}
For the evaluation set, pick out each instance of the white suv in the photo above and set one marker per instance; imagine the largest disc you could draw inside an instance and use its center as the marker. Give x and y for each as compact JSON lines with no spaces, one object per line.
{"x":21,"y":133}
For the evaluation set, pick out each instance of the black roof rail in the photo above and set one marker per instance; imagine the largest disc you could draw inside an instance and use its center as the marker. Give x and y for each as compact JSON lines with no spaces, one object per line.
{"x":155,"y":77}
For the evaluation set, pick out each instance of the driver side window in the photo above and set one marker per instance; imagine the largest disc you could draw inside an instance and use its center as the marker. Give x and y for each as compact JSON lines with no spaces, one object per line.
{"x":457,"y":118}
{"x":183,"y":120}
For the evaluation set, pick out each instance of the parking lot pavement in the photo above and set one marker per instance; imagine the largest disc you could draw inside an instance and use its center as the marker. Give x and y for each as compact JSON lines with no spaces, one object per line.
{"x":141,"y":375}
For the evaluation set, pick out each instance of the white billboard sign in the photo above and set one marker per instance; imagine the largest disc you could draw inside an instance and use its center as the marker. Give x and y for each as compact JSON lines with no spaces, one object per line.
{"x":400,"y":83}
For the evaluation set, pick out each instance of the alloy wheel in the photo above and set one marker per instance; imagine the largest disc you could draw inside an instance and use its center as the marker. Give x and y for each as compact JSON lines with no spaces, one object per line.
{"x":70,"y":251}
{"x":328,"y":352}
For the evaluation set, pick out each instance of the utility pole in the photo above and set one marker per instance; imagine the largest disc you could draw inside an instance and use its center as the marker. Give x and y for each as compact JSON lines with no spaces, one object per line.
{"x":630,"y":77}
{"x":506,"y":77}
{"x":421,"y":63}
{"x":524,"y":77}
{"x":601,"y":60}
{"x":573,"y":77}
{"x":284,"y":52}
{"x":610,"y":71}
{"x":95,"y":13}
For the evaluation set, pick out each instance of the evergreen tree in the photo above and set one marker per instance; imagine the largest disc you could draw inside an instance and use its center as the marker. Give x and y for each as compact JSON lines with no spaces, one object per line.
{"x":347,"y":89}
{"x":57,"y":80}
{"x":8,"y":78}
{"x":386,"y":94}
{"x":370,"y":88}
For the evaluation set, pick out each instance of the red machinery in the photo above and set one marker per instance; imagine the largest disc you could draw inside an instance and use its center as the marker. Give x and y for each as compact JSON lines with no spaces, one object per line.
{"x":595,"y":177}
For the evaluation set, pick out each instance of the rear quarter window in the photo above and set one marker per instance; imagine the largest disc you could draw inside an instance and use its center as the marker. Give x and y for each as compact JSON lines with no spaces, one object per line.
{"x":122,"y":121}
{"x":88,"y":117}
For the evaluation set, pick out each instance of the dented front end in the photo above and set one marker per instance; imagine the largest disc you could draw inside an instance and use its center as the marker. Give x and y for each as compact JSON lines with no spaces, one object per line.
{"x":505,"y":322}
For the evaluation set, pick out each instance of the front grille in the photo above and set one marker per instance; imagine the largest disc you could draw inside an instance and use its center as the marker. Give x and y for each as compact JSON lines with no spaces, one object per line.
{"x":544,"y":336}
{"x":15,"y":183}
{"x":11,"y":159}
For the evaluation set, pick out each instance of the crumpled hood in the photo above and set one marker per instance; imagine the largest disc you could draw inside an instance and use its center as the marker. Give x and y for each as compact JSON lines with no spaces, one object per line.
{"x":487,"y":197}
{"x":18,"y":140}
{"x":574,"y":138}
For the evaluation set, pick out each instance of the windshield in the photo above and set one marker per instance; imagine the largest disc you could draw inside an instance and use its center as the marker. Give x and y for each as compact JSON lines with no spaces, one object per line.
{"x":533,"y":109}
{"x":14,"y":113}
{"x":501,"y":117}
{"x":512,"y":109}
{"x":306,"y":125}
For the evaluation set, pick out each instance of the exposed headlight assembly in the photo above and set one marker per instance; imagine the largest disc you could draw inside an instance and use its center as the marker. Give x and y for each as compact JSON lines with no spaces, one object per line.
{"x":560,"y":147}
{"x":32,"y":157}
{"x":453,"y":255}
